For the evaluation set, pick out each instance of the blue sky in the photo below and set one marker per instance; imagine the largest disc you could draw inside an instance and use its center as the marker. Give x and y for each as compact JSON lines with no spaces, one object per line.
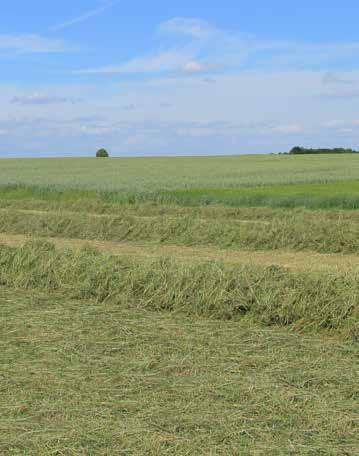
{"x":179,"y":77}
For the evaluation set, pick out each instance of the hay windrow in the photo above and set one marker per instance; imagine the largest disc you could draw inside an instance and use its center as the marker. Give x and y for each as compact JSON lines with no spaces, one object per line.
{"x":268,"y":295}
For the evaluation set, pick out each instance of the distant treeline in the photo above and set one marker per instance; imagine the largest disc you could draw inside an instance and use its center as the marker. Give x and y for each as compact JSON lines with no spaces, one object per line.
{"x":337,"y":150}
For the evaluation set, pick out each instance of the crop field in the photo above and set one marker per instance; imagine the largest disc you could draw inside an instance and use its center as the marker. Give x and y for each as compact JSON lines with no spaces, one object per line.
{"x":179,"y":306}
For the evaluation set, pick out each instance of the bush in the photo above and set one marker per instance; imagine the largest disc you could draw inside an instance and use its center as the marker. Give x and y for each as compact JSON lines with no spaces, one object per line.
{"x":102,"y":153}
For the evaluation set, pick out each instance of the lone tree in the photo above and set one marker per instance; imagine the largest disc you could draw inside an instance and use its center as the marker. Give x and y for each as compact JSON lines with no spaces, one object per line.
{"x":102,"y":153}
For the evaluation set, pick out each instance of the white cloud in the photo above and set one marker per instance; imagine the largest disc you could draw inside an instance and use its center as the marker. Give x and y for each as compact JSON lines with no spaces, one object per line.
{"x":33,"y":44}
{"x":243,"y":113}
{"x":347,"y":126}
{"x":287,"y":129}
{"x":194,"y":46}
{"x":182,"y":58}
{"x":194,"y":67}
{"x":95,"y":130}
{"x":165,"y":61}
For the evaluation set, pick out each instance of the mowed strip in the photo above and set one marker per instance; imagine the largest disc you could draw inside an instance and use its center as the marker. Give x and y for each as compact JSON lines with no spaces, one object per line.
{"x":95,"y":215}
{"x":300,"y":261}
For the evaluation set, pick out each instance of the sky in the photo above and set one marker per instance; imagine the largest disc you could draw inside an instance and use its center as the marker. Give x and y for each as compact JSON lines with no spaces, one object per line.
{"x":179,"y":77}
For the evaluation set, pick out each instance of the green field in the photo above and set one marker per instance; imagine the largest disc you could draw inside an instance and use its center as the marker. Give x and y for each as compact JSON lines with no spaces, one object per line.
{"x":274,"y":181}
{"x":155,"y":174}
{"x":184,"y":306}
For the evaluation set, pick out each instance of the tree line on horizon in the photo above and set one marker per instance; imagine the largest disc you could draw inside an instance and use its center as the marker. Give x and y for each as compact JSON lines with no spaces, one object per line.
{"x":338,"y":150}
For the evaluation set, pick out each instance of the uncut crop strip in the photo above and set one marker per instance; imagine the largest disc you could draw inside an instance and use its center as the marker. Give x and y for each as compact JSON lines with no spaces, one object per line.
{"x":299,"y":261}
{"x":92,"y":206}
{"x":144,"y":175}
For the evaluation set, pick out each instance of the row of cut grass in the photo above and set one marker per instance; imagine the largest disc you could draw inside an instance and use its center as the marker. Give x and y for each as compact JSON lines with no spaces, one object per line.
{"x":295,"y":232}
{"x":267,"y":295}
{"x":95,"y":206}
{"x":297,"y":261}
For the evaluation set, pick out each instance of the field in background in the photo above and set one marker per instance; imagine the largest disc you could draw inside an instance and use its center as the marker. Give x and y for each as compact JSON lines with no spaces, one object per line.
{"x":274,"y":181}
{"x":179,"y":306}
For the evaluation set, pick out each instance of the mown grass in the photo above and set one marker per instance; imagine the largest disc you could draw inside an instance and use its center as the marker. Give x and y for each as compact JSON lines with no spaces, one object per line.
{"x":295,"y":230}
{"x":133,"y":355}
{"x":82,"y":377}
{"x":267,"y":295}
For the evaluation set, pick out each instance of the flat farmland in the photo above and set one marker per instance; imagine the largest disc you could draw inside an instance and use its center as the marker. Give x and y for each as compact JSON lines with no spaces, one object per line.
{"x":179,"y":306}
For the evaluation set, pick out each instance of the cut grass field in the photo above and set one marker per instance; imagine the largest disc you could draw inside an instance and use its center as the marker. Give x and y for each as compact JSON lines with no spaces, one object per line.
{"x":270,"y":295}
{"x":296,"y":231}
{"x":93,"y":378}
{"x":148,"y":308}
{"x":298,"y":261}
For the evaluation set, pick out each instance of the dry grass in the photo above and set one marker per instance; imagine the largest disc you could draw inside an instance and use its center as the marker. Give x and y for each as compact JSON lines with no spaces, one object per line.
{"x":298,"y":261}
{"x":85,"y":378}
{"x":268,"y":295}
{"x":295,"y":231}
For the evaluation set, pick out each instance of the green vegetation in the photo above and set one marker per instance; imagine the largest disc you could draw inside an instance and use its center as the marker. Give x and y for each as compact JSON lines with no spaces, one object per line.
{"x":179,"y":306}
{"x":319,"y":182}
{"x":343,"y":195}
{"x":102,"y":153}
{"x":340,"y":195}
{"x":141,"y":175}
{"x":337,"y":150}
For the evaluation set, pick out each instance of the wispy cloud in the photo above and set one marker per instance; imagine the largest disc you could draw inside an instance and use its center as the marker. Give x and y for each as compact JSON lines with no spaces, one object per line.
{"x":41,"y":99}
{"x":33,"y":44}
{"x":184,"y":58}
{"x":341,"y":95}
{"x":335,"y":79}
{"x":195,"y":28}
{"x":156,"y":63}
{"x":83,"y":17}
{"x":193,"y":46}
{"x":291,"y":129}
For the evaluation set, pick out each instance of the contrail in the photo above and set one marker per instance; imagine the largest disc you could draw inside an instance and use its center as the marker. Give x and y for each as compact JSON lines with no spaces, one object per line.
{"x":83,"y":17}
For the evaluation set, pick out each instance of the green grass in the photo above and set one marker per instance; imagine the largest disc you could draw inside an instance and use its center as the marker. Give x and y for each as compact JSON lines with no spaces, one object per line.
{"x":344,"y":195}
{"x":137,"y":175}
{"x":339,"y":195}
{"x":275,"y":181}
{"x":79,"y":377}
